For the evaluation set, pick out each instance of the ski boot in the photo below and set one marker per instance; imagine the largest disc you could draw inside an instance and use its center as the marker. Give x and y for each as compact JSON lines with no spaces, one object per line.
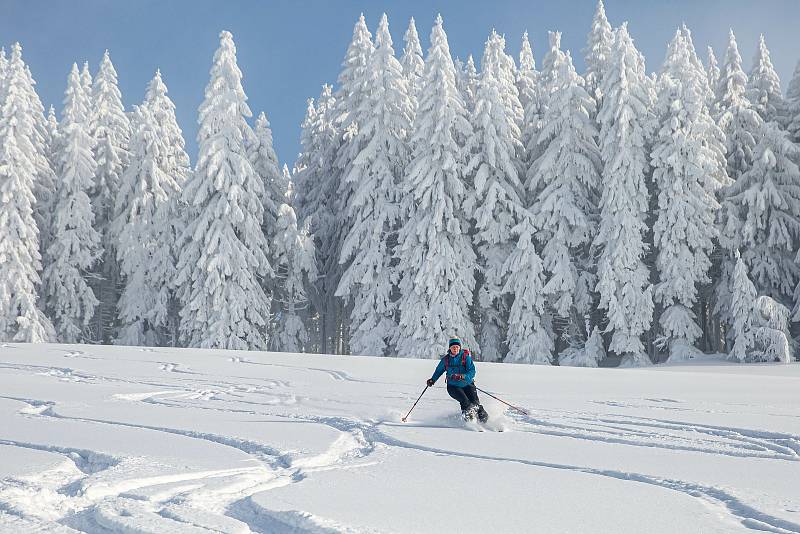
{"x":481,"y":413}
{"x":468,"y":414}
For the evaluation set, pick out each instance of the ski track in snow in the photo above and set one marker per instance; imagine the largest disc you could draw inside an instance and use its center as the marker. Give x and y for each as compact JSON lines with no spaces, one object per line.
{"x":82,"y":495}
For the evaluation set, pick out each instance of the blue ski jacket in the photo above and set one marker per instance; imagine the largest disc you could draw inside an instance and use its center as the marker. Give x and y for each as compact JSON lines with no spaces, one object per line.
{"x":460,"y":364}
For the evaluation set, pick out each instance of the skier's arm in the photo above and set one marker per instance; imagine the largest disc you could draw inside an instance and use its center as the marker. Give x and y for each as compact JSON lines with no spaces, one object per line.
{"x":439,"y":370}
{"x":470,"y":370}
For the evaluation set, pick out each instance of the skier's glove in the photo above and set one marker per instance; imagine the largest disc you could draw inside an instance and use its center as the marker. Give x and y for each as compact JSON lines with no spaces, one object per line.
{"x":430,"y":382}
{"x":457,"y":377}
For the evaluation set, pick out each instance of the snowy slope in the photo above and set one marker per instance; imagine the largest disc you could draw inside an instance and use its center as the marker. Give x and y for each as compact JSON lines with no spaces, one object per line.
{"x":116,"y":439}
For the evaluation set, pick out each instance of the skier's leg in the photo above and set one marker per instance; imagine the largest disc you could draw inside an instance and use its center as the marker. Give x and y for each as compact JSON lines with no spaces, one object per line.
{"x":458,"y":394}
{"x":472,"y":395}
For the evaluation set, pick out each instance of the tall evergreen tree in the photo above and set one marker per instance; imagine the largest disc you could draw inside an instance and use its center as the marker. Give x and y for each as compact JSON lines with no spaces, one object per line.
{"x":688,"y":158}
{"x":224,"y":305}
{"x":495,"y":202}
{"x":741,"y":125}
{"x":530,"y":334}
{"x":111,"y":130}
{"x":434,"y":253}
{"x":265,"y":162}
{"x":625,"y":123}
{"x":766,"y":199}
{"x":527,"y":75}
{"x":314,"y":201}
{"x":146,"y":247}
{"x":566,"y":209}
{"x":764,"y":86}
{"x":412,"y":62}
{"x":384,"y":120}
{"x":295,"y":271}
{"x":21,"y":318}
{"x":349,"y":99}
{"x":713,"y":75}
{"x":75,"y":245}
{"x":743,"y":297}
{"x":793,"y":106}
{"x":598,"y":51}
{"x":175,"y":163}
{"x":86,"y":81}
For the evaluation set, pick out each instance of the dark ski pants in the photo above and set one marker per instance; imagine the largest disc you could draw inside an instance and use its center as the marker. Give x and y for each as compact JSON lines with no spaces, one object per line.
{"x":466,"y":396}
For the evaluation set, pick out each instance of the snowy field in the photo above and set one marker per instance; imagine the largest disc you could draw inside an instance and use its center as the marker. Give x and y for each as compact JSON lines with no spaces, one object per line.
{"x":116,"y":439}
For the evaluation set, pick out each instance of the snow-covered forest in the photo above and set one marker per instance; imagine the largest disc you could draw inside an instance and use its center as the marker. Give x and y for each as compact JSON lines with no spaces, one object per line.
{"x":631,"y":213}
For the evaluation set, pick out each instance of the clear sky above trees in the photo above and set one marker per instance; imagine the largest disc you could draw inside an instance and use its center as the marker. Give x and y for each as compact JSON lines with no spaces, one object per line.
{"x":288,"y":48}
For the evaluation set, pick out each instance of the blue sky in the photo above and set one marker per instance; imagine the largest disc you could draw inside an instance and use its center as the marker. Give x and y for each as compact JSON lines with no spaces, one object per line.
{"x":288,"y":48}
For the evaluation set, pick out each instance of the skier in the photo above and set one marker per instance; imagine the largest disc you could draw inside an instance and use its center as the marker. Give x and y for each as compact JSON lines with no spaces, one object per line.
{"x":460,"y":374}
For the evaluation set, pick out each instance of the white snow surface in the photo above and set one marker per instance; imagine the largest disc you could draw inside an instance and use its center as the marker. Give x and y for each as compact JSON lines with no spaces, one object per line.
{"x":119,"y":439}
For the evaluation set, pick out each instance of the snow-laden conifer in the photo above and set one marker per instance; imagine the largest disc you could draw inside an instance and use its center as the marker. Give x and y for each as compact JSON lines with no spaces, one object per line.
{"x":76,"y":244}
{"x":494,"y":203}
{"x":793,"y":106}
{"x":530,"y":334}
{"x":527,"y":75}
{"x":220,"y":265}
{"x":86,"y":82}
{"x":764,"y":86}
{"x":625,"y":123}
{"x":742,"y":299}
{"x":467,"y":82}
{"x":295,"y":271}
{"x":265,"y":163}
{"x":435,"y":256}
{"x":384,"y":120}
{"x":598,"y":51}
{"x":146,"y":249}
{"x":589,"y":355}
{"x":713,"y":74}
{"x":565,"y":210}
{"x":315,"y":184}
{"x":767,"y":202}
{"x":688,"y":158}
{"x":771,"y":331}
{"x":21,"y":318}
{"x":111,"y":130}
{"x":412,"y":62}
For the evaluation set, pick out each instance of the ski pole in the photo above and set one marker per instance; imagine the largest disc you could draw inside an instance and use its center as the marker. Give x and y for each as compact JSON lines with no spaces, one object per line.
{"x":504,"y":402}
{"x":409,"y":411}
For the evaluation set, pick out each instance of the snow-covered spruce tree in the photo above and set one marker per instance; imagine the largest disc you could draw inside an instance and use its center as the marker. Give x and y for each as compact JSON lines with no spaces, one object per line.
{"x":412,"y":62}
{"x":494,"y":203}
{"x":767,"y":199}
{"x":589,"y":355}
{"x":435,"y":256}
{"x":625,"y":123}
{"x":467,"y":82}
{"x":315,"y":184}
{"x":295,"y":271}
{"x":530,"y":334}
{"x":86,"y":80}
{"x":21,"y":318}
{"x":384,"y":120}
{"x":111,"y":130}
{"x":743,"y":296}
{"x":174,"y":161}
{"x":146,"y":247}
{"x":688,"y":158}
{"x":527,"y":75}
{"x":76,"y":244}
{"x":771,"y":331}
{"x":565,"y":211}
{"x":598,"y":51}
{"x":741,"y":125}
{"x":793,"y":106}
{"x":713,"y":74}
{"x":226,"y":254}
{"x":764,"y":86}
{"x":265,"y":163}
{"x":349,"y":98}
{"x":44,"y":185}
